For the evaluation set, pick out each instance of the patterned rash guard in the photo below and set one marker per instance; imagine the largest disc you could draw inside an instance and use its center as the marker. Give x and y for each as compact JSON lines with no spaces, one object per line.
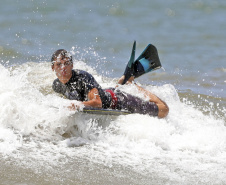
{"x":81,"y":82}
{"x":78,"y":87}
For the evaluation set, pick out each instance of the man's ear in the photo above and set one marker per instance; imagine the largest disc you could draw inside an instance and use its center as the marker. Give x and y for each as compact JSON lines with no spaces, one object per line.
{"x":53,"y":67}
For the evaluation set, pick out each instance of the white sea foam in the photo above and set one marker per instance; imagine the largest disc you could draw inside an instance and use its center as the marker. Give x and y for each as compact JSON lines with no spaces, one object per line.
{"x":33,"y":120}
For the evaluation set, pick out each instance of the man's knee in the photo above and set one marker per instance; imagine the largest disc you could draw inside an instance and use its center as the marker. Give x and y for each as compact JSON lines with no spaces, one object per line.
{"x":163,"y":110}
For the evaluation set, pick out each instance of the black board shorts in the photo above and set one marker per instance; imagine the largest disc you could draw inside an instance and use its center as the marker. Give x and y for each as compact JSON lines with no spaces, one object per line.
{"x":135,"y":104}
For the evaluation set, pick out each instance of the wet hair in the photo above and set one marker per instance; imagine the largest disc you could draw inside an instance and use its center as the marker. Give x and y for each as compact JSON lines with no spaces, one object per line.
{"x":61,"y":52}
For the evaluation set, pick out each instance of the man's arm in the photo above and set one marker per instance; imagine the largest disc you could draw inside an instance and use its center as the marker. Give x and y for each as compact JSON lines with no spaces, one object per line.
{"x":94,"y":100}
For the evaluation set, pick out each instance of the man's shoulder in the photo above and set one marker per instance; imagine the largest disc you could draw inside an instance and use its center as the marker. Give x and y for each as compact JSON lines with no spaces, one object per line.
{"x":56,"y":82}
{"x":82,"y":73}
{"x":58,"y":86}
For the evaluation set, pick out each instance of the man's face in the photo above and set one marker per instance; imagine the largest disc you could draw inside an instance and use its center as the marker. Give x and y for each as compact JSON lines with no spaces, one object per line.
{"x":63,"y":67}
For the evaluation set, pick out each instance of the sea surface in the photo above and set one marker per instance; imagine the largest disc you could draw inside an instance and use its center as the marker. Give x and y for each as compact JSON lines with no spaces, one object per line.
{"x":42,"y":142}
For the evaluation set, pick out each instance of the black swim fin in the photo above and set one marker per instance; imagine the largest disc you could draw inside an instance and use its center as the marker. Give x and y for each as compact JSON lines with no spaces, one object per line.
{"x":146,"y":62}
{"x":129,"y":71}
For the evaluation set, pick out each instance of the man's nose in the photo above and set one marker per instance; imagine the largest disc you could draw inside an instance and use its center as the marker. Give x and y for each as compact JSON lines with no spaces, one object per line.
{"x":62,"y":66}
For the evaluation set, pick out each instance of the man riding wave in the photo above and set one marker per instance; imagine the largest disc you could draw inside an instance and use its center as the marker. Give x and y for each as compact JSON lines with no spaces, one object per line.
{"x":80,"y":85}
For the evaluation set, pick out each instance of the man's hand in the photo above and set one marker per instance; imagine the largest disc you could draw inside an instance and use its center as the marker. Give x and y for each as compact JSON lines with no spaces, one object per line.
{"x":94,"y":99}
{"x":123,"y":77}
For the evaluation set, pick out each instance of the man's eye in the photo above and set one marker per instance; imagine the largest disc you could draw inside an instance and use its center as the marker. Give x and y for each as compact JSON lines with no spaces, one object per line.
{"x":67,"y":63}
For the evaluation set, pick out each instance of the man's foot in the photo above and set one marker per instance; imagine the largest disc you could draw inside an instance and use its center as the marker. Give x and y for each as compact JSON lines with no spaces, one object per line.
{"x":123,"y":77}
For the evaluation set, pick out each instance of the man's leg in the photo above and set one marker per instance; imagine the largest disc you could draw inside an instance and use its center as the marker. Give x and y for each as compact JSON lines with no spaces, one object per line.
{"x":162,"y":106}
